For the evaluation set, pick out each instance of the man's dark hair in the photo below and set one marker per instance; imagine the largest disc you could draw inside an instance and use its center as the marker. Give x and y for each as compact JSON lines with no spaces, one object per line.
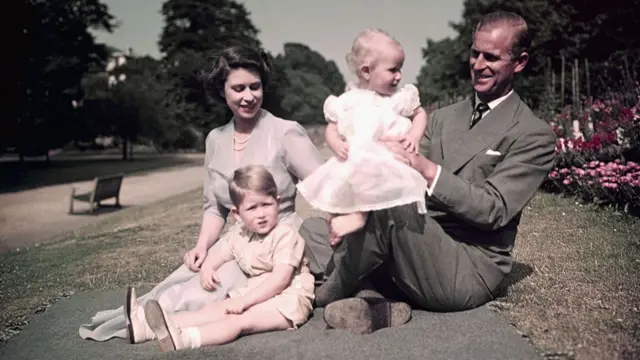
{"x":522,"y":36}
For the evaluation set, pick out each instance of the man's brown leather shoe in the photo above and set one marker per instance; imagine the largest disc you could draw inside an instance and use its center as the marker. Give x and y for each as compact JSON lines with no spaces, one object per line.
{"x":366,"y":315}
{"x":353,"y":314}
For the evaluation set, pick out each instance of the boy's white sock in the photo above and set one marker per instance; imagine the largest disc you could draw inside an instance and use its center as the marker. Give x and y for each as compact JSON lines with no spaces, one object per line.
{"x":191,"y":337}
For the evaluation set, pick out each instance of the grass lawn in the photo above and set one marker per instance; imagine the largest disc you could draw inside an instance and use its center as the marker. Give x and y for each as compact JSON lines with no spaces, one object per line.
{"x":575,"y":292}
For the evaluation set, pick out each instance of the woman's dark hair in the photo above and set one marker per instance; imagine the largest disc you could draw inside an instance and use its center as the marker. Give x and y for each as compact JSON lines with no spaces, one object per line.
{"x":236,"y":57}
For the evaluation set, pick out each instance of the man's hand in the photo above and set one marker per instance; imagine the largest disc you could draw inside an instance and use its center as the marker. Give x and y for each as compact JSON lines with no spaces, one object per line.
{"x":235,"y":306}
{"x":194,"y":258}
{"x":397,"y":145}
{"x":424,"y":166}
{"x":209,"y":277}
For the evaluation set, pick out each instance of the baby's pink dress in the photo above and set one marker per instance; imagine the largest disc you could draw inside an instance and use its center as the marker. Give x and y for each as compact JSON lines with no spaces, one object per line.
{"x":257,"y":255}
{"x":371,"y":178}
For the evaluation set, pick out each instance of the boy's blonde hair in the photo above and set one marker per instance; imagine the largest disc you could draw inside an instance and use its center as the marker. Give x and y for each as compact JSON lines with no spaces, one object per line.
{"x":365,"y":48}
{"x":254,"y":178}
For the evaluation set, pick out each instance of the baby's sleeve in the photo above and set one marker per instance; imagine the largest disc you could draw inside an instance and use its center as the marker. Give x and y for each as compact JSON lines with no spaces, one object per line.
{"x":408,"y":100}
{"x":333,"y":108}
{"x":288,"y":248}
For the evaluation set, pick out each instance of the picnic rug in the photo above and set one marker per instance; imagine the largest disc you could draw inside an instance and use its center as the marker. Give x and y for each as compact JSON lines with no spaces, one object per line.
{"x":476,"y":334}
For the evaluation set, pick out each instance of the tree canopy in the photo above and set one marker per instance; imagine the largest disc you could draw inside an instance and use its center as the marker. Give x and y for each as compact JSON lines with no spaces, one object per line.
{"x":602,"y":33}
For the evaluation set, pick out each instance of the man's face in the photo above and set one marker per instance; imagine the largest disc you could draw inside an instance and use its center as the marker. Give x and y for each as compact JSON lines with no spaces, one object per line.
{"x":493,"y":67}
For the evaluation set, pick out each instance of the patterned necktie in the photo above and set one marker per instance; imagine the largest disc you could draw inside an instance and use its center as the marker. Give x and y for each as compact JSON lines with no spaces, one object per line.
{"x":481,"y":108}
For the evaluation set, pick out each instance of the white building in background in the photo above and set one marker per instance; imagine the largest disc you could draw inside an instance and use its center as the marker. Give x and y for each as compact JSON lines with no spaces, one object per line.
{"x":116,"y":60}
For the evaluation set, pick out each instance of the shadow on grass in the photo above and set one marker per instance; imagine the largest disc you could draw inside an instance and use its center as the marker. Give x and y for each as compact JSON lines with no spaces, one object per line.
{"x":519,"y":272}
{"x":100,"y":210}
{"x":16,"y":176}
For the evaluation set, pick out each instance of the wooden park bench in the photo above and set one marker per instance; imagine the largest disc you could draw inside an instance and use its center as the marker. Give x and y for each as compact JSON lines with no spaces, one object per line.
{"x":104,"y":187}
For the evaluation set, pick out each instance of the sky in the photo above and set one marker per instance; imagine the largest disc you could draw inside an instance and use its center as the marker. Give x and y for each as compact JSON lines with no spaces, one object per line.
{"x":326,"y":26}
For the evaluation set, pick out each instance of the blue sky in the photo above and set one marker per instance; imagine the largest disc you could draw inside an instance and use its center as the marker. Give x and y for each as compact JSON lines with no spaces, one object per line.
{"x":327,"y":26}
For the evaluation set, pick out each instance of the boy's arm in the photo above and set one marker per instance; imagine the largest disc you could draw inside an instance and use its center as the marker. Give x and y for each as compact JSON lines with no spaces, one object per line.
{"x":288,"y":252}
{"x":208,"y":271}
{"x":273,"y":285}
{"x":215,"y":260}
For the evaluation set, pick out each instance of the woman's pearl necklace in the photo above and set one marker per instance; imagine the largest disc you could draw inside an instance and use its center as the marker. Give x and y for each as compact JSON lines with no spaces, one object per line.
{"x":243,"y":143}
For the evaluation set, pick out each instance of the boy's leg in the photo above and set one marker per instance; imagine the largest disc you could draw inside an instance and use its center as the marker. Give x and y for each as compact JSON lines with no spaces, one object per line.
{"x":221,"y":328}
{"x":258,"y":319}
{"x":210,"y":313}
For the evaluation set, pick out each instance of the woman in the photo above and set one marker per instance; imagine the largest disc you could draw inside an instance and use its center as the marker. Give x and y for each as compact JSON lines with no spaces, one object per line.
{"x":254,"y":136}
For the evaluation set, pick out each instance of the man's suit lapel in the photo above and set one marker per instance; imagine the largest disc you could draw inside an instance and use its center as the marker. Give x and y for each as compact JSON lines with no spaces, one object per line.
{"x":461,"y":144}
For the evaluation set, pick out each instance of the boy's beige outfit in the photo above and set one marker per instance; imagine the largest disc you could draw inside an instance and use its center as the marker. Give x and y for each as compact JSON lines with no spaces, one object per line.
{"x":257,"y":255}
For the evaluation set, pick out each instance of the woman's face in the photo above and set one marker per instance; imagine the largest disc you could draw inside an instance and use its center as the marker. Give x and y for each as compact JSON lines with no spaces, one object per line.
{"x":243,"y":93}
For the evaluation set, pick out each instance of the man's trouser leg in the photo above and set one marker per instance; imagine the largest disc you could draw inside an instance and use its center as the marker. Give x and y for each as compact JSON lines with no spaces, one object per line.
{"x":436,"y":272}
{"x":315,"y":232}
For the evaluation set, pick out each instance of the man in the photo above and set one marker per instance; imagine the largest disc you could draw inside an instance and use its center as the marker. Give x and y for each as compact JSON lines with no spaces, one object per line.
{"x":484,"y":158}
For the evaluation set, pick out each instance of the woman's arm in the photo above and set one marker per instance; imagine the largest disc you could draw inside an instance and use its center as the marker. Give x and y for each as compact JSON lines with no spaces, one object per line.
{"x":301,"y":156}
{"x":214,"y":217}
{"x":209,"y":230}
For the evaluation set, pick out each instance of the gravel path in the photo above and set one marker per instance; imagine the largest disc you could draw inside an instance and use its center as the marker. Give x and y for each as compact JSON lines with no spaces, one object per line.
{"x":31,"y":217}
{"x":34,"y":216}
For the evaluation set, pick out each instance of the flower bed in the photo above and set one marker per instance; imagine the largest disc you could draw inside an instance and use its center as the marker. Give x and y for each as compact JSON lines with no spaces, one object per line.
{"x":597,"y":155}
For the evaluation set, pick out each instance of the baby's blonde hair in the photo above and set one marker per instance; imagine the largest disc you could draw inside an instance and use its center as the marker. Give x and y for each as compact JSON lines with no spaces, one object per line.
{"x":364,"y":48}
{"x":254,"y":178}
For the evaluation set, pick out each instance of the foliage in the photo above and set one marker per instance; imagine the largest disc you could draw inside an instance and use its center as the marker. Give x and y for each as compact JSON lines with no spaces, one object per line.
{"x":58,"y":52}
{"x":560,"y":29}
{"x":310,"y":79}
{"x":597,"y":154}
{"x":194,"y":31}
{"x":139,"y":107}
{"x":73,"y":93}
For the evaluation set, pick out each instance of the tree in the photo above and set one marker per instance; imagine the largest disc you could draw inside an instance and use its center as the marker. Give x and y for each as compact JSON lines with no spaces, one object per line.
{"x":133,"y":102}
{"x":59,"y":51}
{"x":194,"y":31}
{"x":602,"y":32}
{"x":310,"y":79}
{"x":441,"y":79}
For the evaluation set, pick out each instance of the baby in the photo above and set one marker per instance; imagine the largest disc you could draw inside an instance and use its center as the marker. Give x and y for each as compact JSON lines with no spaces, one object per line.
{"x":364,"y":175}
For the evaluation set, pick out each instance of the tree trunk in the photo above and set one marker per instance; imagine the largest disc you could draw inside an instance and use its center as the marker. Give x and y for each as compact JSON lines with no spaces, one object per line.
{"x":124,"y":147}
{"x":562,"y":83}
